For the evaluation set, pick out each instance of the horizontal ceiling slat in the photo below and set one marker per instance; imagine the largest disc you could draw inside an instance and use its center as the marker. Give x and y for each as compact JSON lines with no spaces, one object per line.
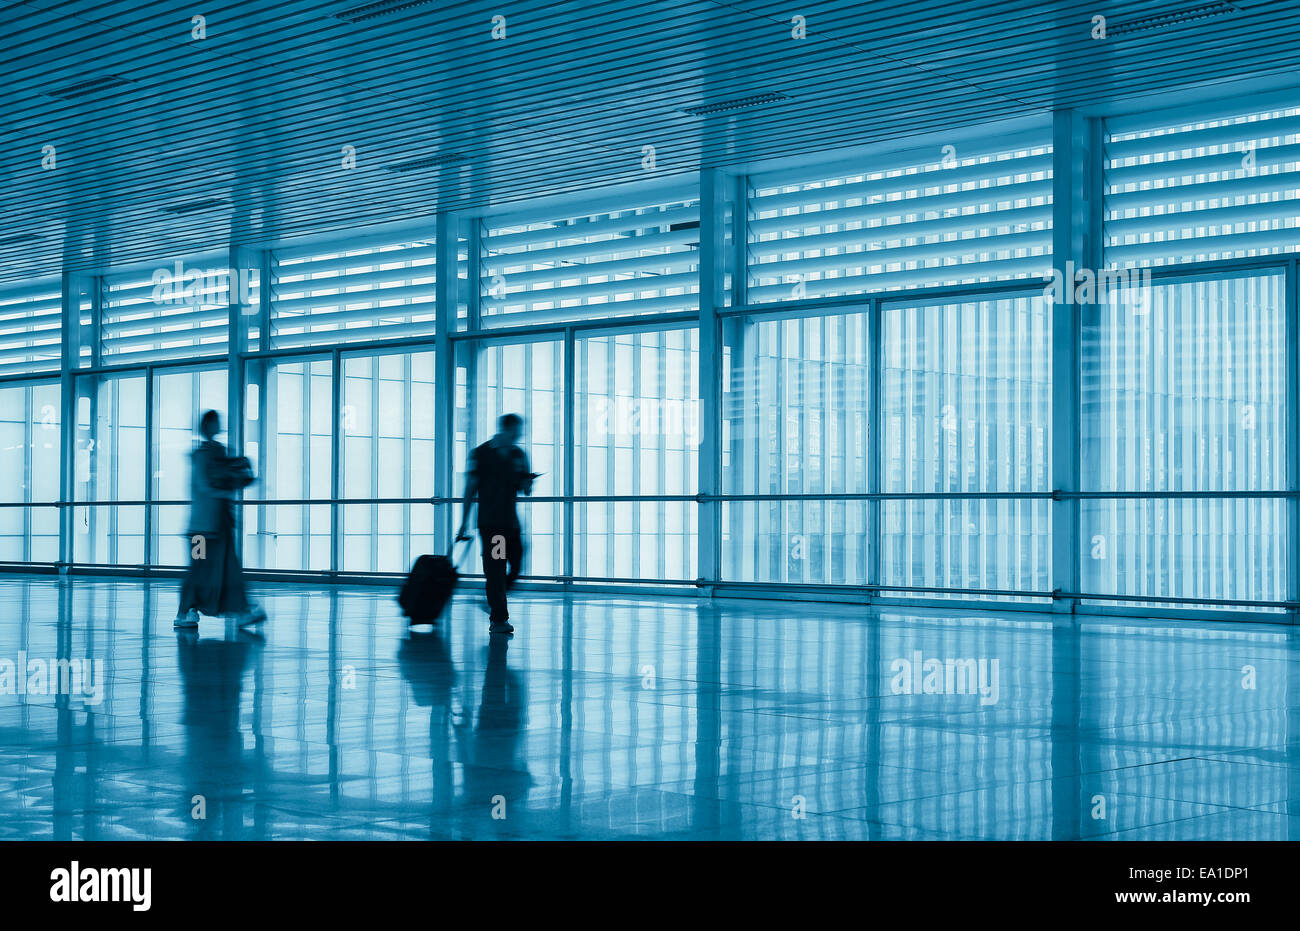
{"x":256,"y":113}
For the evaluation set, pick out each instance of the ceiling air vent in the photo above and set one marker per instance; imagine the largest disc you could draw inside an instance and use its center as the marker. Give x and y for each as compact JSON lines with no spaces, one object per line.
{"x":735,"y":103}
{"x":195,"y":206}
{"x":18,"y":239}
{"x":429,"y":161}
{"x":1178,"y":17}
{"x":366,"y":11}
{"x":106,"y":82}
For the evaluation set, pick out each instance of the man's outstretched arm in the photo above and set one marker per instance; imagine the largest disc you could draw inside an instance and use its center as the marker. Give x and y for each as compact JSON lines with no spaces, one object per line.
{"x":471,"y":490}
{"x":528,"y":475}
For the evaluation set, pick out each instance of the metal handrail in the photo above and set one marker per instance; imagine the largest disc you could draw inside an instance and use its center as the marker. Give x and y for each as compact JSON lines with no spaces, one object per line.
{"x":701,"y":498}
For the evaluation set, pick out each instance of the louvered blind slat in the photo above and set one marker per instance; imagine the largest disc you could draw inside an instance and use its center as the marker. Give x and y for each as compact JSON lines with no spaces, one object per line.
{"x":543,"y":233}
{"x":175,"y":310}
{"x":381,"y":330}
{"x":382,"y":291}
{"x":905,"y":220}
{"x":400,"y":258}
{"x":368,"y":317}
{"x":997,"y":269}
{"x":889,"y":249}
{"x":120,"y":328}
{"x":31,"y":318}
{"x":372,"y":300}
{"x":590,"y":254}
{"x":1183,"y":188}
{"x":642,"y":259}
{"x":163,"y":350}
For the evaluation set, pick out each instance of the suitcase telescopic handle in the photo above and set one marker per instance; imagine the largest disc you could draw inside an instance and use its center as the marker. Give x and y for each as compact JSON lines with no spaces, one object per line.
{"x":451,"y":554}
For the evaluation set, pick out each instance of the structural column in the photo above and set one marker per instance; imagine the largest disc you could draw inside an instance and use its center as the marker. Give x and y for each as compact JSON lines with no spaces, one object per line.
{"x":875,"y":447}
{"x":570,"y":451}
{"x":1074,"y":246}
{"x":1292,"y":505}
{"x":712,"y":268}
{"x":444,"y":379}
{"x":71,"y":354}
{"x":240,"y":269}
{"x":243,"y":264}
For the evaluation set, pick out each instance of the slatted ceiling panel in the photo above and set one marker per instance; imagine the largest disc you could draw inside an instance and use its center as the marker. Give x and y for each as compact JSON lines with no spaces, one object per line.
{"x":31,"y":317}
{"x":156,"y":315}
{"x":643,"y":259}
{"x":1180,"y":188}
{"x":282,"y":86}
{"x":907,"y":223}
{"x":383,"y":291}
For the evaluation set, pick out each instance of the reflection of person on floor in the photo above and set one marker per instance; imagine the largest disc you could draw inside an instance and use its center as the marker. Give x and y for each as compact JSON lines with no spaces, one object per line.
{"x":216,"y":773}
{"x":496,"y":779}
{"x":214,"y":582}
{"x":498,"y":472}
{"x":426,"y":666}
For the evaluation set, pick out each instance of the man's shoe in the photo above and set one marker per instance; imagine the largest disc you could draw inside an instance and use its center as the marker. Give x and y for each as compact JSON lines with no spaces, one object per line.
{"x":501,"y":627}
{"x":256,"y":615}
{"x":189,"y":619}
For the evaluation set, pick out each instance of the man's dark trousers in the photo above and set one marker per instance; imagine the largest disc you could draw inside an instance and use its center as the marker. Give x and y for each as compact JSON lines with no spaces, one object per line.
{"x":502,"y":548}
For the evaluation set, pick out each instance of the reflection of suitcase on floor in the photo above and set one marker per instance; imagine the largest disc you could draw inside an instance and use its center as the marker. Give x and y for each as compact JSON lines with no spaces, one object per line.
{"x":428,"y":588}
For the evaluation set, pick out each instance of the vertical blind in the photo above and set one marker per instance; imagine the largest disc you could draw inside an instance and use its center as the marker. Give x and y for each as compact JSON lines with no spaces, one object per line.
{"x":967,"y":402}
{"x":289,"y":437}
{"x":1187,"y":395}
{"x":388,"y":451}
{"x":525,"y":378}
{"x":637,"y":432}
{"x":796,"y":421}
{"x":30,"y":456}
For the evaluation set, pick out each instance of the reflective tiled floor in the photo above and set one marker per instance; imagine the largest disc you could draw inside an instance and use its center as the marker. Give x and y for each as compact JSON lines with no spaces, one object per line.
{"x":651,"y":718}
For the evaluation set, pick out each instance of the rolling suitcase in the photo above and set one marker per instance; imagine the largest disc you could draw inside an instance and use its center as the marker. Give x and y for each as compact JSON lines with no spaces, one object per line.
{"x":428,"y":588}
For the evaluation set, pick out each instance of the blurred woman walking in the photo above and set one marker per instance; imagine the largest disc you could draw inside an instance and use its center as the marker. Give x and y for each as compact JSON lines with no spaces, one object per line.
{"x":214,"y":582}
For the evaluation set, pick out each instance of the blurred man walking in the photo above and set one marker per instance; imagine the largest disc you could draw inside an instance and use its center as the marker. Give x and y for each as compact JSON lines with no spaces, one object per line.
{"x":498,"y":472}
